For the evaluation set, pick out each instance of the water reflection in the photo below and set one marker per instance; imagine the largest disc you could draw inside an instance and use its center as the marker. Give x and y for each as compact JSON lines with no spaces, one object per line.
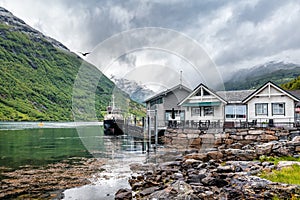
{"x":24,"y":145}
{"x":39,"y":146}
{"x":27,"y":144}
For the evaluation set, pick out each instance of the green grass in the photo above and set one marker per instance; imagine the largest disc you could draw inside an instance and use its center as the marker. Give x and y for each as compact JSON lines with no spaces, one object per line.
{"x":293,"y":197}
{"x":289,"y":175}
{"x":276,"y":160}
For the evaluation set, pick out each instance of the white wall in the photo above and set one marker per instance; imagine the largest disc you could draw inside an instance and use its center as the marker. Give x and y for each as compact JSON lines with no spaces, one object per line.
{"x":273,"y":97}
{"x":218,"y":114}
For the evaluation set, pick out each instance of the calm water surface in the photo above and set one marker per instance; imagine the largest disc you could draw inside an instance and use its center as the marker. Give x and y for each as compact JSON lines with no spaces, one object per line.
{"x":35,"y":144}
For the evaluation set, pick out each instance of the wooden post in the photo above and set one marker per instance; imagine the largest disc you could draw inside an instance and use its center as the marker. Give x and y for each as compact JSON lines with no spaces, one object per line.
{"x":149,"y":132}
{"x":155,"y":128}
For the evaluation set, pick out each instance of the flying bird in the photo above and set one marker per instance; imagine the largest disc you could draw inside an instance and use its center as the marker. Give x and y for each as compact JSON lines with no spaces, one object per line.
{"x":84,"y":54}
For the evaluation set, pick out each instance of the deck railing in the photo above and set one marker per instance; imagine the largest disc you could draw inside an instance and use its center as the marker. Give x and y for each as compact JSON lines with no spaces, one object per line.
{"x":191,"y":124}
{"x":207,"y":124}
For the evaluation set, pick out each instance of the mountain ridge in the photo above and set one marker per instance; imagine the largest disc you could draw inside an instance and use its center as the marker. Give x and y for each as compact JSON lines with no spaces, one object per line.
{"x":37,"y":76}
{"x":19,"y":25}
{"x":278,"y":72}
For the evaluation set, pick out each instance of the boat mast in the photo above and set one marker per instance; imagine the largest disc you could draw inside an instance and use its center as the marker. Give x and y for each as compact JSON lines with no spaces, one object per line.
{"x":113,"y":102}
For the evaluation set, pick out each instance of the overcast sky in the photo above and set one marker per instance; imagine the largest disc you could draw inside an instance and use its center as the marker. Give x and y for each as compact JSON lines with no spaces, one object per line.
{"x":235,"y":34}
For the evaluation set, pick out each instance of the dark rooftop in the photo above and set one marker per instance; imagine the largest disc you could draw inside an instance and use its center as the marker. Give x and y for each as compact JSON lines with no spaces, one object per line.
{"x":234,"y":96}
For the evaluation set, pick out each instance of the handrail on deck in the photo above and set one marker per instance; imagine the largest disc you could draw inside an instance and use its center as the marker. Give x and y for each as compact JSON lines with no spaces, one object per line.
{"x":208,"y":124}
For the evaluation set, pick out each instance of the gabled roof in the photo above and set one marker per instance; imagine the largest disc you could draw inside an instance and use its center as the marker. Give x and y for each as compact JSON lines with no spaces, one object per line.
{"x":296,"y":93}
{"x":236,"y":96}
{"x":164,"y":93}
{"x":269,"y":83}
{"x":197,"y":90}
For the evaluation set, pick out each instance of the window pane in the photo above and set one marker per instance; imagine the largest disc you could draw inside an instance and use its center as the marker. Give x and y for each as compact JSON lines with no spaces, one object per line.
{"x":261,"y":109}
{"x":229,"y":110}
{"x":240,"y":111}
{"x":208,"y":111}
{"x":196,"y":111}
{"x":235,"y":111}
{"x":278,"y":108}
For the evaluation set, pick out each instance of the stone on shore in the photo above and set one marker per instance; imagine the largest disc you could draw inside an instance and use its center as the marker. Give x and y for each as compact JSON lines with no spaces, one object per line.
{"x":282,"y":164}
{"x":123,"y":194}
{"x":226,"y":171}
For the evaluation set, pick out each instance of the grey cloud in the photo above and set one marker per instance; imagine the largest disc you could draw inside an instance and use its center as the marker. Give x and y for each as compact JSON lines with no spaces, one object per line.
{"x":260,"y":11}
{"x":232,"y":32}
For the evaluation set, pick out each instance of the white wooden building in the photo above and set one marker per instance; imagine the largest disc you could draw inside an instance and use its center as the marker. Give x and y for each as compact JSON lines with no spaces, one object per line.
{"x":271,"y":103}
{"x":203,"y":104}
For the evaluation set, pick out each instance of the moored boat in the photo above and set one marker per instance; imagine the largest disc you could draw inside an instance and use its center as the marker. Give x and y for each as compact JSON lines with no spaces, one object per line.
{"x":113,"y":121}
{"x":113,"y":127}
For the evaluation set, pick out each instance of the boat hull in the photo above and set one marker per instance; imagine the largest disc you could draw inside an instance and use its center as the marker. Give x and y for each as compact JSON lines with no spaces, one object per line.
{"x":113,"y":127}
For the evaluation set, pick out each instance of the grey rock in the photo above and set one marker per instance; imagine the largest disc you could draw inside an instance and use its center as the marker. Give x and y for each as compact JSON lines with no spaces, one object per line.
{"x":196,"y":178}
{"x":226,"y":169}
{"x":282,"y":164}
{"x":123,"y":194}
{"x":211,"y":181}
{"x":149,"y":190}
{"x":171,"y":163}
{"x":264,"y":149}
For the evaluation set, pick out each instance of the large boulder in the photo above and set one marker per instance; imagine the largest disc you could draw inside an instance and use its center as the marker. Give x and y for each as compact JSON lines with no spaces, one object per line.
{"x":268,"y":138}
{"x":296,"y":139}
{"x":149,"y":191}
{"x":177,"y":190}
{"x":282,"y":164}
{"x":256,"y":132}
{"x":123,"y":194}
{"x":197,"y":156}
{"x":216,"y":155}
{"x":264,"y":149}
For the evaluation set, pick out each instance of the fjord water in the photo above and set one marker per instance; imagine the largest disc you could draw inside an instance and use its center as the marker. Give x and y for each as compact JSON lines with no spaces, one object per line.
{"x":34,"y":144}
{"x":37,"y":145}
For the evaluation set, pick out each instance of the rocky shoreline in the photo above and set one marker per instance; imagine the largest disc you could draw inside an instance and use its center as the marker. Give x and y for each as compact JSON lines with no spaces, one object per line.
{"x":229,"y":171}
{"x":47,"y":182}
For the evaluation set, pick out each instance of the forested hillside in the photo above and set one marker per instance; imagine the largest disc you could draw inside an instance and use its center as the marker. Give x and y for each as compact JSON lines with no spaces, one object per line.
{"x":37,"y":77}
{"x":252,"y":78}
{"x":292,"y":85}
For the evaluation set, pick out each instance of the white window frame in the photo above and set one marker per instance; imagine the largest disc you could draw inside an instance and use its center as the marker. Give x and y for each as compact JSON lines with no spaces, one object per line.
{"x":208,"y":111}
{"x":194,"y":113}
{"x":261,"y":109}
{"x":277,"y":110}
{"x":235,"y":113}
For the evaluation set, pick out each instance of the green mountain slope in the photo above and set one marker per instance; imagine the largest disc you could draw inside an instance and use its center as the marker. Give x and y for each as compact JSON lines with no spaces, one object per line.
{"x":37,"y":78}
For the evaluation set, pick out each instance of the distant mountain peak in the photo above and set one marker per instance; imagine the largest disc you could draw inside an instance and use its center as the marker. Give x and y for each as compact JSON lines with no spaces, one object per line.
{"x":135,"y":90}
